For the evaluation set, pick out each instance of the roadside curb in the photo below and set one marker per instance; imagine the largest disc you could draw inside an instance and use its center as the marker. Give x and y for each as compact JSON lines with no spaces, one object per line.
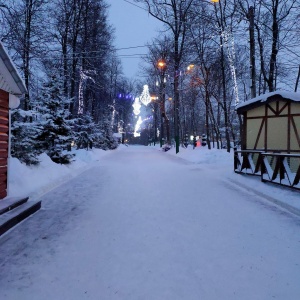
{"x":288,"y":207}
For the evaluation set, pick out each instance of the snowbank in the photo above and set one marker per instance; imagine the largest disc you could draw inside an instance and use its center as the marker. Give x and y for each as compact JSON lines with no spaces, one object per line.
{"x":33,"y":181}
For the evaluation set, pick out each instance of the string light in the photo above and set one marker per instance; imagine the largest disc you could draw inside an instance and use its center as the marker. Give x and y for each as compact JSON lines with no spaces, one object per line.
{"x":231,"y":57}
{"x":137,"y":127}
{"x":84,"y":76}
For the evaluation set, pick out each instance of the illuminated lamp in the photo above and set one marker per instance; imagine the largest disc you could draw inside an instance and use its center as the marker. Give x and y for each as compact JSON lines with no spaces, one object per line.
{"x":161,"y":64}
{"x":190,"y":67}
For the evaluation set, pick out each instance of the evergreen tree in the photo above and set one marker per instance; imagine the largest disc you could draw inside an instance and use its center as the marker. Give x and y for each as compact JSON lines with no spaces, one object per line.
{"x":104,"y":137}
{"x":85,"y":131}
{"x":23,"y":137}
{"x":56,"y":133}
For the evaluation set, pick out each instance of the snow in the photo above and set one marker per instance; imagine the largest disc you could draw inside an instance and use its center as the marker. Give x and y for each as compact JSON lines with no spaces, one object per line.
{"x":140,"y":223}
{"x":264,"y":97}
{"x":216,"y":158}
{"x":34,"y":181}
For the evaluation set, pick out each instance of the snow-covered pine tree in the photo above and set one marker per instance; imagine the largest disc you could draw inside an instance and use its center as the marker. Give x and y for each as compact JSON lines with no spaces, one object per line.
{"x":104,"y":138}
{"x":24,"y":132}
{"x":85,"y":131}
{"x":56,"y":134}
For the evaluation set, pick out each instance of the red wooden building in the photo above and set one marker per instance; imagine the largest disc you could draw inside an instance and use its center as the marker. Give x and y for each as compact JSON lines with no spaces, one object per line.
{"x":11,"y":88}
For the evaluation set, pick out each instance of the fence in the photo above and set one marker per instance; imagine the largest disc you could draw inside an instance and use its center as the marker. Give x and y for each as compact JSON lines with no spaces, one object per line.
{"x":247,"y":162}
{"x":279,"y":168}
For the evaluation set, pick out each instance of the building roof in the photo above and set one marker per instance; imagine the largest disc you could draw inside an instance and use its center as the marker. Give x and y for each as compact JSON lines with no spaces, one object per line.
{"x":268,"y":97}
{"x":10,"y":80}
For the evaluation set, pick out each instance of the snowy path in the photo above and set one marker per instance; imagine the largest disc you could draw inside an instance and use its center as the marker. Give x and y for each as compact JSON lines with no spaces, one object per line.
{"x":145,"y":225}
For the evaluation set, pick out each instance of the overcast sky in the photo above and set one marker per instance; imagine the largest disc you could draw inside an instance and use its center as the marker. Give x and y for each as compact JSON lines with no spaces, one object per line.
{"x":134,"y":27}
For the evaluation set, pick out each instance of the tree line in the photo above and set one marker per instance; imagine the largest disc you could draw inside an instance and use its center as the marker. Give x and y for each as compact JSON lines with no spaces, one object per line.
{"x":216,"y":54}
{"x":64,"y":50}
{"x":219,"y":53}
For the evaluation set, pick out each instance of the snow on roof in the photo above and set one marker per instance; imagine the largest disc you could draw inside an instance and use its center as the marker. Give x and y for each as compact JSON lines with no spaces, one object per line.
{"x":295,"y":97}
{"x":10,"y":80}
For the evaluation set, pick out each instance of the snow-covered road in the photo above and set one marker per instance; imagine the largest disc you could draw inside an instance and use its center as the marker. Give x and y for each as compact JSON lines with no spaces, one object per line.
{"x":145,"y":225}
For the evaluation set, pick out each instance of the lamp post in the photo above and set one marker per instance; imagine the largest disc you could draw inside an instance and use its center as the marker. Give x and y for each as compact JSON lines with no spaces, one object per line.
{"x":162,"y":66}
{"x":154,"y":101}
{"x":200,"y":76}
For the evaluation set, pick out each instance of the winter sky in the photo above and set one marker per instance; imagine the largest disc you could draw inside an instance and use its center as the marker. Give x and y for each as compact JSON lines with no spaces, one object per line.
{"x":134,"y":27}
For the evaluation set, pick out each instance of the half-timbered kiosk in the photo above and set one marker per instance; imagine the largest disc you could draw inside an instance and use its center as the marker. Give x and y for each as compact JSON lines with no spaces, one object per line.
{"x":270,"y":143}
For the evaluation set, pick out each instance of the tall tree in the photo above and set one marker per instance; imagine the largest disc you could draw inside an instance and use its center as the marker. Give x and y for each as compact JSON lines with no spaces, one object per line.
{"x":174,"y":14}
{"x":274,"y":22}
{"x":23,"y":33}
{"x":160,"y":60}
{"x":56,"y":133}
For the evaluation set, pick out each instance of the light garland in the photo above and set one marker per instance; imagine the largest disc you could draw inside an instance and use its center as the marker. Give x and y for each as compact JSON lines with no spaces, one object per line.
{"x":145,"y":96}
{"x":231,"y":57}
{"x":137,"y":127}
{"x":136,"y":106}
{"x":84,"y":76}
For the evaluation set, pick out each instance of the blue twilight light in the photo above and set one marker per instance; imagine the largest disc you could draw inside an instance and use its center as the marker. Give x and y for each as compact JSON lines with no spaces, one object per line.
{"x":124,"y":96}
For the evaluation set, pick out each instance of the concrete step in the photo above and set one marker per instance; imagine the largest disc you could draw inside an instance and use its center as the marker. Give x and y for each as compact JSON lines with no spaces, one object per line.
{"x":16,"y":215}
{"x":11,"y":203}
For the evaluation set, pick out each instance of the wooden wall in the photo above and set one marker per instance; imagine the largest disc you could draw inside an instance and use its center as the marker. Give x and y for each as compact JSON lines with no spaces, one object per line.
{"x":273,"y":127}
{"x":4,"y":129}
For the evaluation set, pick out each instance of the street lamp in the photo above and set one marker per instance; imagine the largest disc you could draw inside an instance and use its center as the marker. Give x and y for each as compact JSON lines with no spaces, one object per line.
{"x":190,"y":67}
{"x":154,"y":99}
{"x":162,"y":66}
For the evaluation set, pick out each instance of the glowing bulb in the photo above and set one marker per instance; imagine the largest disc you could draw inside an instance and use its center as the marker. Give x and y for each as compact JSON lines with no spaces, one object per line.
{"x":161,"y":64}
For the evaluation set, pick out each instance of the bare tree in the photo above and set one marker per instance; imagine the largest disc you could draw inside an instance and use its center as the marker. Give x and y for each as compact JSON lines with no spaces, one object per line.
{"x":174,"y":14}
{"x":273,"y":23}
{"x":24,"y":34}
{"x":160,"y":60}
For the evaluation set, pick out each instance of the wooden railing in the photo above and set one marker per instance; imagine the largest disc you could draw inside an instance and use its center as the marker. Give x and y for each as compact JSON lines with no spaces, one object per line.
{"x":247,"y":162}
{"x":279,"y":168}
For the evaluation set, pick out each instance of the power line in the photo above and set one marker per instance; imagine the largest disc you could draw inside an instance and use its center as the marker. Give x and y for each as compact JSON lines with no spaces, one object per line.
{"x":133,"y":47}
{"x":136,"y":5}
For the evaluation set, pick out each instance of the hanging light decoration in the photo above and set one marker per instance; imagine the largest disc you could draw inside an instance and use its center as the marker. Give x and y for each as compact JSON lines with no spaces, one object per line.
{"x":137,"y":127}
{"x":136,"y":106}
{"x":145,"y":96}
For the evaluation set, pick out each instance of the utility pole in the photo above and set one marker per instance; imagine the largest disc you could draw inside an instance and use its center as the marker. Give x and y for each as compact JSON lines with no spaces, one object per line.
{"x":252,"y":52}
{"x":297,"y":81}
{"x":162,"y":106}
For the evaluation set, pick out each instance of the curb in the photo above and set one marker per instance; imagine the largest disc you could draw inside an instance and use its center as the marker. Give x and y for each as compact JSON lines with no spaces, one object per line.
{"x":288,"y":207}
